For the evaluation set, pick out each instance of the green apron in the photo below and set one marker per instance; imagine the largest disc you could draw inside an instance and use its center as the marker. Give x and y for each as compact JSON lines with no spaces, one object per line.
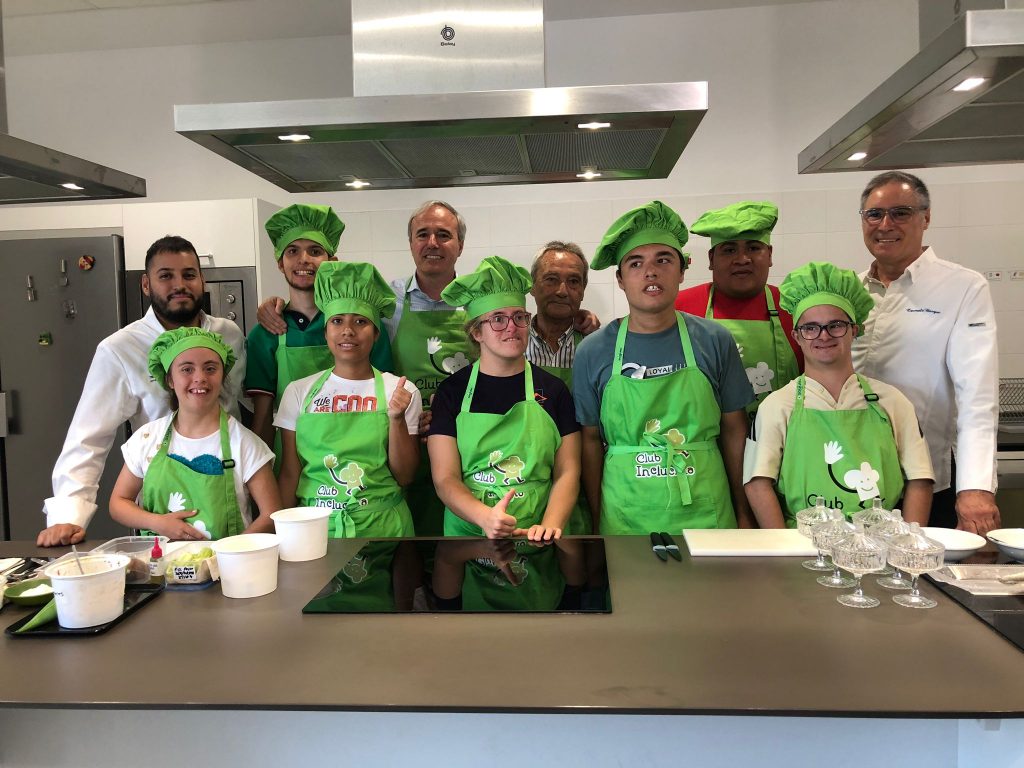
{"x":663,"y":470}
{"x":294,"y":363}
{"x":579,"y":521}
{"x":820,"y":445}
{"x":171,"y":486}
{"x":502,"y":451}
{"x":357,"y":484}
{"x":540,"y":587}
{"x":364,"y":584}
{"x":428,"y":347}
{"x":767,"y":355}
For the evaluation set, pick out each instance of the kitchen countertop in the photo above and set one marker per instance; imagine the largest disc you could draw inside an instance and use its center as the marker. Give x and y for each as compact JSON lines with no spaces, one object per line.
{"x":734,"y":636}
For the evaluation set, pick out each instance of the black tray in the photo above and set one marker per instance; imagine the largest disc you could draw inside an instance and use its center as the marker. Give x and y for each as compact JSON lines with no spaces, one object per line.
{"x":135,"y":596}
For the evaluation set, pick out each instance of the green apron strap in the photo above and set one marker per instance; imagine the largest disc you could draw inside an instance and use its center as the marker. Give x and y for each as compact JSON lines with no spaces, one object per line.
{"x":234,"y":522}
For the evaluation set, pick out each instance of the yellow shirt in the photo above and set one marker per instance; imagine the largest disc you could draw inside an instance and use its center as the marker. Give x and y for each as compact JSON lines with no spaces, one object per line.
{"x":773,"y":420}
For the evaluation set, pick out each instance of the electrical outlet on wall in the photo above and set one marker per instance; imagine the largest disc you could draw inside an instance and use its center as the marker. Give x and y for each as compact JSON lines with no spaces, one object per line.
{"x":1017,"y":274}
{"x":993,"y":274}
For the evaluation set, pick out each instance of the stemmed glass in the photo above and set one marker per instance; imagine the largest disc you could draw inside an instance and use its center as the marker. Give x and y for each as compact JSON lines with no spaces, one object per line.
{"x":915,"y":553}
{"x":859,"y":553}
{"x":823,"y":534}
{"x":806,"y":519}
{"x":885,"y":531}
{"x":873,"y":517}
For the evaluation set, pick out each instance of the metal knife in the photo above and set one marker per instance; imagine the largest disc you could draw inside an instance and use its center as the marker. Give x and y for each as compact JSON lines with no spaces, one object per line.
{"x":659,"y":547}
{"x":670,"y":546}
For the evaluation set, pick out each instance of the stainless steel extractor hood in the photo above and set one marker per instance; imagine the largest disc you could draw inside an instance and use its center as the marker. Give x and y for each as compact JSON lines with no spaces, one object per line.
{"x":925,"y":115}
{"x":30,"y":173}
{"x":491,"y":126}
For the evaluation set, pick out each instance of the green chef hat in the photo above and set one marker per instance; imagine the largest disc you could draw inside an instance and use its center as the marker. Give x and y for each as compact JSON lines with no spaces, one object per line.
{"x":739,"y":221}
{"x":170,"y":344}
{"x":352,"y":287}
{"x":318,"y":223}
{"x":651,"y":223}
{"x":820,"y":283}
{"x":496,"y":283}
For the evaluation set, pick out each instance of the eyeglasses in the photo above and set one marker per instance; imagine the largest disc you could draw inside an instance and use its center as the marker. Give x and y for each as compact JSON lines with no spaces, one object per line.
{"x":500,"y":322}
{"x":898,"y":214}
{"x":836,"y":329}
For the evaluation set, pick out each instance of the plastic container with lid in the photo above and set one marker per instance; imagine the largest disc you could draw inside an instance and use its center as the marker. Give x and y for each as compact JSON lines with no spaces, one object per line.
{"x":138,"y":549}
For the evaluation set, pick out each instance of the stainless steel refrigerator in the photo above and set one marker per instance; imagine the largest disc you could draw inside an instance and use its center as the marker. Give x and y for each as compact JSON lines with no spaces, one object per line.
{"x":59,"y":298}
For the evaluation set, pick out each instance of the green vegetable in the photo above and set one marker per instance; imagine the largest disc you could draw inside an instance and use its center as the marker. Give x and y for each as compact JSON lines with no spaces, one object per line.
{"x":191,"y":558}
{"x":44,"y":615}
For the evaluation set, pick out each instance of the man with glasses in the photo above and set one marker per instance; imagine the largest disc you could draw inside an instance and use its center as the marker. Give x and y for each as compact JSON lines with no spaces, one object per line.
{"x":832,"y":433}
{"x":740,"y":298}
{"x":932,"y":334}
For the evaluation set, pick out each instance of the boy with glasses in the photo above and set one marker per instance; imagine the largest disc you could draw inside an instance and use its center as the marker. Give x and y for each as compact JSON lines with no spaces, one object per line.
{"x":833,"y":433}
{"x":932,"y":333}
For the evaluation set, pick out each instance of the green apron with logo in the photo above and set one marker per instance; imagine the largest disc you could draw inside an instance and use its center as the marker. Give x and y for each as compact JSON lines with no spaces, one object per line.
{"x":847,"y":457}
{"x":355,"y":482}
{"x":663,"y":470}
{"x":294,"y":363}
{"x":767,"y":355}
{"x":505,"y":451}
{"x":540,"y":587}
{"x":579,"y":521}
{"x":364,"y":583}
{"x":171,"y":486}
{"x":428,"y":347}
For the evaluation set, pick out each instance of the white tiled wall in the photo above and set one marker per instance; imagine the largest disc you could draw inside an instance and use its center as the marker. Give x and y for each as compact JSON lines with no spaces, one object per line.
{"x":976,"y":224}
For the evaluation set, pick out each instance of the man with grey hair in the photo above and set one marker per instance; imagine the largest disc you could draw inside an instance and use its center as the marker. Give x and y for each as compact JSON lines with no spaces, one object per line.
{"x":932,"y":334}
{"x":559,"y":275}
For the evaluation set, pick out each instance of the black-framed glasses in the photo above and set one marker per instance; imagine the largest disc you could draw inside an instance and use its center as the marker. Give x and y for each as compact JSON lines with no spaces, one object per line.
{"x":836,"y":329}
{"x":500,"y":322}
{"x":898,"y":214}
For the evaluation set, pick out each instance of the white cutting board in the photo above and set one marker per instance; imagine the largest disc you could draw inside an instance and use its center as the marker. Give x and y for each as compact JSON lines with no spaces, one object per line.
{"x":747,"y":542}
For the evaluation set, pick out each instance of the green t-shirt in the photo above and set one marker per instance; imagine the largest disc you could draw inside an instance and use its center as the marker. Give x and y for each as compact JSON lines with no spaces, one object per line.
{"x":261,"y":350}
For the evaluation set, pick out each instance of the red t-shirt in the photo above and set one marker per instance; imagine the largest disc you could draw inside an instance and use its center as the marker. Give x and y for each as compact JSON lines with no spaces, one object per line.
{"x":695,"y":302}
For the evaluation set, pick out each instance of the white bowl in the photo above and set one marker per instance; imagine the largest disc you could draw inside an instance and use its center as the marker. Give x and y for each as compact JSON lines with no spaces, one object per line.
{"x":302,"y":532}
{"x":248,"y":564}
{"x":958,"y":544}
{"x":1010,"y":542}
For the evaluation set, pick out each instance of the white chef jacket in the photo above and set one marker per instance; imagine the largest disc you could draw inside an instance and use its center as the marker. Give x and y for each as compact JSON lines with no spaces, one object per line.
{"x":932,"y":334}
{"x":118,"y":388}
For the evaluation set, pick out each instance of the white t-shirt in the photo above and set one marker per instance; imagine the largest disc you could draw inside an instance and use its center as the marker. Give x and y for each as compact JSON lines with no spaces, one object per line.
{"x":248,"y":451}
{"x":339,"y":395}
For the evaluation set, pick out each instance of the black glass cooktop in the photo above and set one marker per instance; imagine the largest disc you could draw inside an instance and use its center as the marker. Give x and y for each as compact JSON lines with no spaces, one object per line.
{"x":1004,"y":613}
{"x":470,"y":576}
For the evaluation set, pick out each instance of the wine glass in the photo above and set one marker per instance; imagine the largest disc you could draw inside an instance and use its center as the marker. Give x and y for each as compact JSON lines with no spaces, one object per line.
{"x":859,"y":553}
{"x":823,"y":534}
{"x":915,"y":553}
{"x":806,"y":519}
{"x":885,"y":531}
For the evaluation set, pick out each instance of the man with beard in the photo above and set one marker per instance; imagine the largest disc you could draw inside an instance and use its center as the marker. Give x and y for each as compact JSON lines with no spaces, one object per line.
{"x":740,"y":298}
{"x":119,"y":387}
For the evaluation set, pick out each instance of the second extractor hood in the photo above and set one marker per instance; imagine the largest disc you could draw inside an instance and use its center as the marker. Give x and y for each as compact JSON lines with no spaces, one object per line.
{"x":452,"y":96}
{"x":456,"y":139}
{"x":927,"y":113}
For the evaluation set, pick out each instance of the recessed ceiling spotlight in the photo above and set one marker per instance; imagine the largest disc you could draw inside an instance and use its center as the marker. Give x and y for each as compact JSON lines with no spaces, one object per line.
{"x":857,"y":156}
{"x":969,"y":84}
{"x":72,"y":185}
{"x":357,"y":184}
{"x":588,"y":174}
{"x":593,"y":126}
{"x":294,"y":137}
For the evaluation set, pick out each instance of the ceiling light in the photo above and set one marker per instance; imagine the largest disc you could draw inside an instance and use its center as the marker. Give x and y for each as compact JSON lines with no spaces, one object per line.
{"x":357,"y":184}
{"x":588,"y":174}
{"x":593,"y":126}
{"x":294,"y":137}
{"x":970,"y":84}
{"x":857,"y":156}
{"x":72,"y":185}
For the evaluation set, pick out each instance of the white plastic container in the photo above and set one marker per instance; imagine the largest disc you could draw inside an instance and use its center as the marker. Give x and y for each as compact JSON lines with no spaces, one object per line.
{"x":248,"y":564}
{"x":302,"y":532}
{"x":95,"y":597}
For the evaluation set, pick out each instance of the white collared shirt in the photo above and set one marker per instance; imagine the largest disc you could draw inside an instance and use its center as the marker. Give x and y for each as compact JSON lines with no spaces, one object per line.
{"x":932,"y":334}
{"x":118,"y":388}
{"x":539,"y":352}
{"x":418,"y":302}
